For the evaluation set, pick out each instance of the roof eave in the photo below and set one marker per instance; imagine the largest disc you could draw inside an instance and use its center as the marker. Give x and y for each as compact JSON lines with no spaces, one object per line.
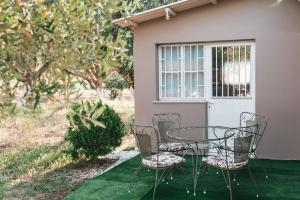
{"x":161,"y":11}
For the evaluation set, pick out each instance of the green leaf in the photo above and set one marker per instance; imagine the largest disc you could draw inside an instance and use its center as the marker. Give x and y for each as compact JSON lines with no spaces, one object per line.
{"x":84,"y":122}
{"x":98,"y":113}
{"x":97,"y":123}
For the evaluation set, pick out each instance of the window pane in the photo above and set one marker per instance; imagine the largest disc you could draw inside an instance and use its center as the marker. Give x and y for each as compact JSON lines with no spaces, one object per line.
{"x":248,"y":69}
{"x":168,"y":59}
{"x":200,"y":51}
{"x":163,"y":85}
{"x":242,"y":70}
{"x":163,"y":55}
{"x":225,"y":71}
{"x":163,"y":65}
{"x":200,"y":63}
{"x":187,"y":57}
{"x":163,"y":90}
{"x":232,"y":78}
{"x":219,"y":72}
{"x":194,"y":85}
{"x":200,"y":57}
{"x":175,"y":63}
{"x":175,"y":81}
{"x":187,"y":85}
{"x":201,"y":91}
{"x":194,"y":58}
{"x":169,"y":85}
{"x":200,"y":78}
{"x":214,"y":72}
{"x":182,"y":73}
{"x":230,"y":71}
{"x":236,"y":76}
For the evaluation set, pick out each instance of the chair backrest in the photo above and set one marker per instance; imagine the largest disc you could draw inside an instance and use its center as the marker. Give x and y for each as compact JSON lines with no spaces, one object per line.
{"x":240,"y":144}
{"x":248,"y":119}
{"x":147,"y":140}
{"x":164,"y":122}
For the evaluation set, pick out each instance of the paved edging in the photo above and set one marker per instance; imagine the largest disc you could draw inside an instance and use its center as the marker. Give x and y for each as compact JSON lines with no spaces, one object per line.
{"x":122,"y":157}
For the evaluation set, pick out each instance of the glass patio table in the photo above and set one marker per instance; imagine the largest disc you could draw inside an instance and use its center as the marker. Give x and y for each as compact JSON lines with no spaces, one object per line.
{"x":199,"y":140}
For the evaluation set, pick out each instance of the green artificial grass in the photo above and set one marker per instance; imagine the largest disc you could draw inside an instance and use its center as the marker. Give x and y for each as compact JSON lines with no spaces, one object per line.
{"x":283,"y":183}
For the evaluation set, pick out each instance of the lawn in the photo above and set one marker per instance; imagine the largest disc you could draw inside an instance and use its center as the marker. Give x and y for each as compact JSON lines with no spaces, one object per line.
{"x":284,"y":183}
{"x":44,"y":172}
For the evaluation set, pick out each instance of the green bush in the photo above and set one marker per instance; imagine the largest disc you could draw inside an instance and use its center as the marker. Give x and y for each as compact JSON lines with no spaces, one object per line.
{"x":116,"y":84}
{"x":95,"y":130}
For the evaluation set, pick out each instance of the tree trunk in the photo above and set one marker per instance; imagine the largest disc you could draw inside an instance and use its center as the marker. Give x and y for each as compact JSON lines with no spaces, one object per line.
{"x":98,"y":94}
{"x":21,"y":97}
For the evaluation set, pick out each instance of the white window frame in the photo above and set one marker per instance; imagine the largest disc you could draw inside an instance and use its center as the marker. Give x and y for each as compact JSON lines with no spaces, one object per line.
{"x":182,"y":71}
{"x":207,"y":71}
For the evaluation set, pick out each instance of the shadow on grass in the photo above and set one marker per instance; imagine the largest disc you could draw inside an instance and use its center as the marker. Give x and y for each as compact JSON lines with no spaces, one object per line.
{"x":46,"y":173}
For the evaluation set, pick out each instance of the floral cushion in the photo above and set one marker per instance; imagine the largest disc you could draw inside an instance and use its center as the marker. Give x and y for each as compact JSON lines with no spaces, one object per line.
{"x":165,"y":160}
{"x":173,"y":147}
{"x":219,"y":161}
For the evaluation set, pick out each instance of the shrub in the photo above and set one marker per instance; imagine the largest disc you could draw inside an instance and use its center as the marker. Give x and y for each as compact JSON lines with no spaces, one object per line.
{"x":116,"y":84}
{"x":95,"y":130}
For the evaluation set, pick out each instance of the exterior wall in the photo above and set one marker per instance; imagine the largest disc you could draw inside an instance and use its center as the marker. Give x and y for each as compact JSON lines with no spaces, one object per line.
{"x":276,"y":32}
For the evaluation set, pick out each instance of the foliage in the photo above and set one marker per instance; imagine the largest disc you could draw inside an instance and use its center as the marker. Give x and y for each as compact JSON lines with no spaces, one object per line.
{"x":115,"y":83}
{"x":97,"y":48}
{"x":46,"y":45}
{"x":28,"y":67}
{"x":146,"y":4}
{"x":95,"y":130}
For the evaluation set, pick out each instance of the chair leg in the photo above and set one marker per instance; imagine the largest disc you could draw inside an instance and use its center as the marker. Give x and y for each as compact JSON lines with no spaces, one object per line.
{"x":224,"y":177}
{"x":235,"y":179}
{"x":253,"y":180}
{"x":171,"y":175}
{"x":186,"y":179}
{"x":205,"y":179}
{"x":261,"y":166}
{"x":134,"y":177}
{"x":164,"y":176}
{"x":155,"y":185}
{"x":229,"y":184}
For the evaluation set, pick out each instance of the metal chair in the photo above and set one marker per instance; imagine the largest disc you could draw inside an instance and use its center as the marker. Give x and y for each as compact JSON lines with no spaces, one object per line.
{"x":232,"y":153}
{"x":248,"y":119}
{"x":164,"y":122}
{"x":147,"y":139}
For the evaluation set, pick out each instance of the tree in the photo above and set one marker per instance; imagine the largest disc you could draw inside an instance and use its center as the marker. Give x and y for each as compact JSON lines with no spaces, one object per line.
{"x":45,"y":45}
{"x":96,"y":48}
{"x":27,"y":64}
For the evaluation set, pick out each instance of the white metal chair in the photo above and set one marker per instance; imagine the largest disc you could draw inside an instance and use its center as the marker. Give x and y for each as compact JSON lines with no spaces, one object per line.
{"x":233,"y":152}
{"x":164,"y":122}
{"x":152,"y":157}
{"x":248,"y":119}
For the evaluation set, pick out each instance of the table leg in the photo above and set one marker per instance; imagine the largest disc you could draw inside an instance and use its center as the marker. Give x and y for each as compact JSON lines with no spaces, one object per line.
{"x":195,"y":168}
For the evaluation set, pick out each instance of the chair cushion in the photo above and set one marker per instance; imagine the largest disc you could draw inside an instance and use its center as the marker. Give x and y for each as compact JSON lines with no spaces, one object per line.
{"x":165,"y":160}
{"x":219,"y":161}
{"x":173,"y":147}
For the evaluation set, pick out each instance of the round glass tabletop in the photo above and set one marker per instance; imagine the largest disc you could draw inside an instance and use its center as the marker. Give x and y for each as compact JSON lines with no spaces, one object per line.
{"x":198,"y":134}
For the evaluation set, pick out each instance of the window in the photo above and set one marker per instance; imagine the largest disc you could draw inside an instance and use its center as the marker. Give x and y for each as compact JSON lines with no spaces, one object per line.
{"x":231,"y":71}
{"x":181,"y":72}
